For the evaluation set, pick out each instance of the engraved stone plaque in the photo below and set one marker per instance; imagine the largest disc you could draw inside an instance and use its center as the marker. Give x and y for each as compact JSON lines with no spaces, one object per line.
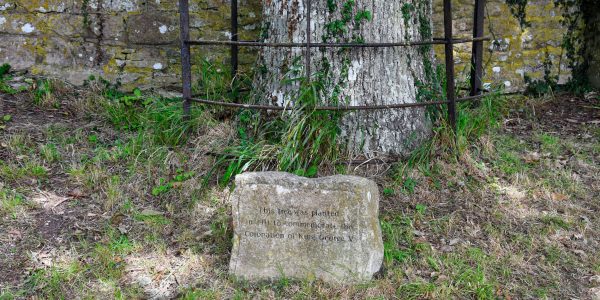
{"x":285,"y":225}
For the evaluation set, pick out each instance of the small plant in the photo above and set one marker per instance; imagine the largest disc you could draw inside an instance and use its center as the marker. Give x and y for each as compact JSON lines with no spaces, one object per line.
{"x":49,"y":152}
{"x":388,"y":192}
{"x":397,"y":239}
{"x":549,"y":143}
{"x":164,"y":186}
{"x":161,"y":188}
{"x":221,"y":232}
{"x":5,"y":76}
{"x":10,"y":202}
{"x":93,"y":139}
{"x":555,"y":222}
{"x":409,"y":184}
{"x":43,"y":94}
{"x":421,"y":209}
{"x":5,"y":119}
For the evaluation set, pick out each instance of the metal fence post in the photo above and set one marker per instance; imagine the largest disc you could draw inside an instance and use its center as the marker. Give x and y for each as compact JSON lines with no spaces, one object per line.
{"x":477,"y":50}
{"x":234,"y":38}
{"x":186,"y":64}
{"x":449,"y":53}
{"x":308,"y":39}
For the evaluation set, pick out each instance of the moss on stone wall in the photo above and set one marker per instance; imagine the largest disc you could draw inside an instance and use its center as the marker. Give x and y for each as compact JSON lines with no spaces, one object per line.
{"x":136,"y":42}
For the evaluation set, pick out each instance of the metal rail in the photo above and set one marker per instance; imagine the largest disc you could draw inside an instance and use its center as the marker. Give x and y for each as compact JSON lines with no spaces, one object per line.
{"x":448,"y":41}
{"x":332,"y":108}
{"x":436,"y":41}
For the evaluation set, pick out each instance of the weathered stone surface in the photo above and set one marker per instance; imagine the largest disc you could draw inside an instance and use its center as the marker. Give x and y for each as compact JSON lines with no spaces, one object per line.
{"x":153,"y":28}
{"x":285,"y":225}
{"x":516,"y":51}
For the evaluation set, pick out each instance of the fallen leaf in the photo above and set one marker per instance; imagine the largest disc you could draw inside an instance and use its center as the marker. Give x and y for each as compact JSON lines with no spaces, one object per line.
{"x":176,"y":185}
{"x":76,"y":193}
{"x":559,"y":197}
{"x":531,"y":157}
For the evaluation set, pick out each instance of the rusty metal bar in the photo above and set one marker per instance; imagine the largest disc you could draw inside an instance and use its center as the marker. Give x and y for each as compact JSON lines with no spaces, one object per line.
{"x":449,"y":53}
{"x":334,"y":108}
{"x":186,"y":64}
{"x":477,"y":49}
{"x":308,"y":39}
{"x":332,"y":45}
{"x":234,"y":38}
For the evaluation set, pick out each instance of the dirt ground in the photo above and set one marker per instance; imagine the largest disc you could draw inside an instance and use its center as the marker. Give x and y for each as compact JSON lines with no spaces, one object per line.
{"x":83,"y":214}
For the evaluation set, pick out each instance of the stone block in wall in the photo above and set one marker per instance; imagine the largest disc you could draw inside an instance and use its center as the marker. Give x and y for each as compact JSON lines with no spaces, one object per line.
{"x":61,"y":52}
{"x":21,"y":52}
{"x":137,"y":60}
{"x":59,"y":24}
{"x":23,"y":24}
{"x":73,"y":74}
{"x":44,"y":6}
{"x":7,"y":5}
{"x":164,"y":5}
{"x":66,"y":25}
{"x":109,"y":6}
{"x":109,"y":29}
{"x":150,"y":28}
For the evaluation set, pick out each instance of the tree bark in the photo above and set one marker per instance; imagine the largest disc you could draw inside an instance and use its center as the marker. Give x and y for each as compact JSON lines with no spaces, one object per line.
{"x":358,"y":76}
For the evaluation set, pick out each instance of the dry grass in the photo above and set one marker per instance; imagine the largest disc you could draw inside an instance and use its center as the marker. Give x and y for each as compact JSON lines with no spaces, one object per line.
{"x":91,"y":211}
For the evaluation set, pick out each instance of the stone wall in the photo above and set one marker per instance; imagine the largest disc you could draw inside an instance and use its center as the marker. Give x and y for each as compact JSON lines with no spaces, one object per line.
{"x":132,"y":41}
{"x":514,"y":51}
{"x":136,"y":41}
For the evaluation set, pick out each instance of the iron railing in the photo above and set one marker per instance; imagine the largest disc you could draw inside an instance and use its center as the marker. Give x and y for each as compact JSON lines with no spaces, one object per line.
{"x":448,"y":41}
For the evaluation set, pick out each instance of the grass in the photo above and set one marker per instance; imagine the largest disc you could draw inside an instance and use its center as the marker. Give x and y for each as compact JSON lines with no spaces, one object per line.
{"x":11,"y":202}
{"x":147,"y":210}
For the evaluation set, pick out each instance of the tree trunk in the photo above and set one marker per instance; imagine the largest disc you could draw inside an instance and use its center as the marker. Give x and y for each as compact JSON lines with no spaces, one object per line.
{"x":358,"y":76}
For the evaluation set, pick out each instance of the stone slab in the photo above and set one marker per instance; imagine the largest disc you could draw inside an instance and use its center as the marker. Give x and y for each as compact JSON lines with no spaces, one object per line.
{"x":294,"y":227}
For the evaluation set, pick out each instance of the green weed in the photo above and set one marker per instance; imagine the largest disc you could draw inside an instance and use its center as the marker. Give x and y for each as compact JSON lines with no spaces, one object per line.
{"x":43,"y":94}
{"x":197,"y":294}
{"x":297,"y":141}
{"x":469,"y":274}
{"x":397,"y":239}
{"x":163,"y":186}
{"x":388,"y":192}
{"x":49,"y":153}
{"x":549,"y":143}
{"x":555,"y":222}
{"x":553,"y":254}
{"x":421,"y":209}
{"x":162,"y":118}
{"x":221,"y":232}
{"x":416,"y":290}
{"x":510,"y":164}
{"x":5,"y":76}
{"x":107,"y":257}
{"x":54,"y":282}
{"x":10,"y":202}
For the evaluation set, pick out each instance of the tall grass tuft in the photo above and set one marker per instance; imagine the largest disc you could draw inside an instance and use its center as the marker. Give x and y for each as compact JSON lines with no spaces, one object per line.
{"x":297,"y":140}
{"x":161,"y":117}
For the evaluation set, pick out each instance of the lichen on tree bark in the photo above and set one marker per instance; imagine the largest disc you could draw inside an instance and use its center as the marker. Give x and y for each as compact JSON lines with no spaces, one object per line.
{"x":358,"y":76}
